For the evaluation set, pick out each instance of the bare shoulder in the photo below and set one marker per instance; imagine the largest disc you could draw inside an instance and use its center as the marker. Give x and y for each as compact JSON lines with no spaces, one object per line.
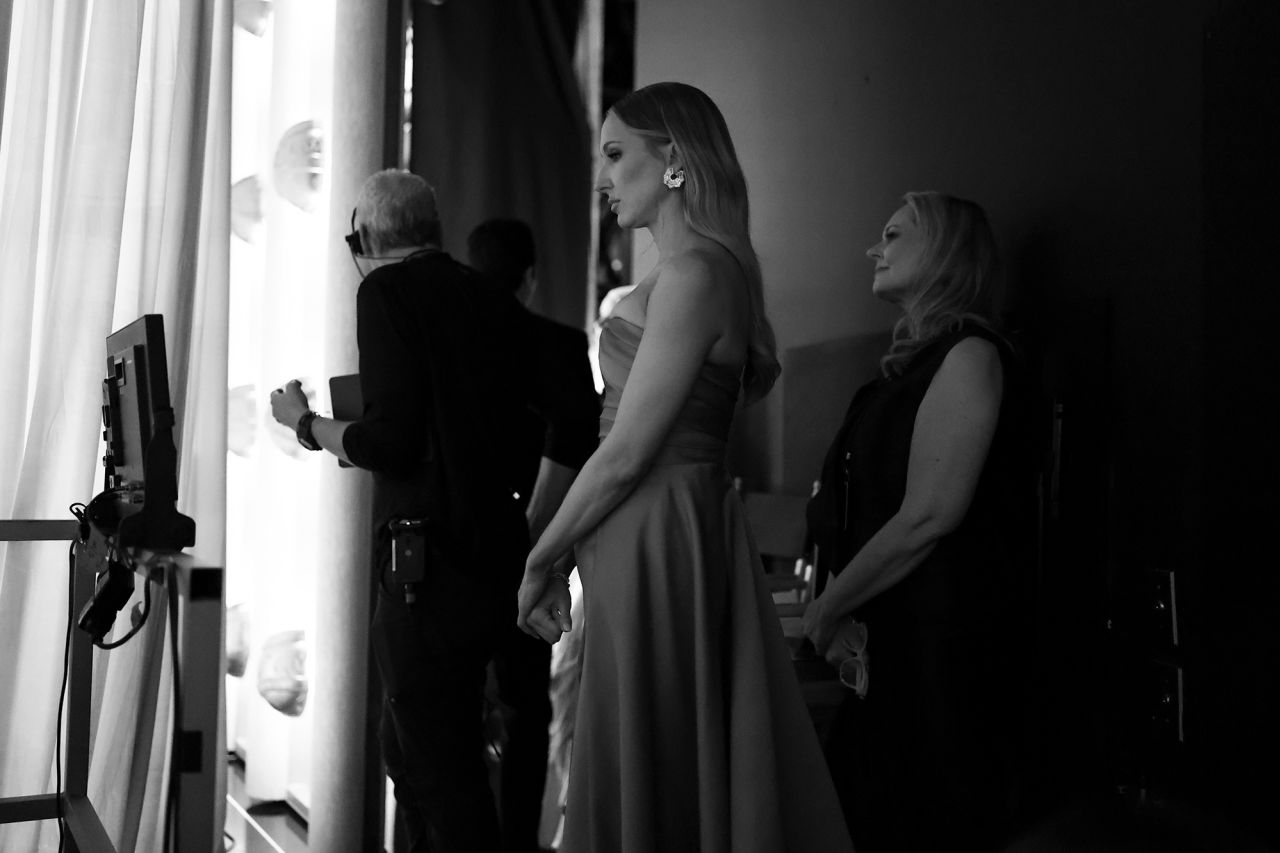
{"x":972,"y":365}
{"x":701,"y":278}
{"x":696,"y":268}
{"x":975,"y":350}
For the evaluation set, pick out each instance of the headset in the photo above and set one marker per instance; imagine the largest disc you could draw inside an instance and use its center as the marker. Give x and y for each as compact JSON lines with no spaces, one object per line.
{"x":356,"y":245}
{"x":353,"y":239}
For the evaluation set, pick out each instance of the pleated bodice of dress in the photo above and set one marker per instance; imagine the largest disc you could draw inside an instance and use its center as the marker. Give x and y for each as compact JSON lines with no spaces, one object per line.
{"x":701,"y":430}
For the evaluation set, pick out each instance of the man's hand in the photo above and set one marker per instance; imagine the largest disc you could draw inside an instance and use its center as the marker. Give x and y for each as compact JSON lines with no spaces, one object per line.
{"x":289,"y":404}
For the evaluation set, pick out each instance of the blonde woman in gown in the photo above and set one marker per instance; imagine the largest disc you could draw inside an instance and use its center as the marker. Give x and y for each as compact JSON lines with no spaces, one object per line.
{"x":691,"y":733}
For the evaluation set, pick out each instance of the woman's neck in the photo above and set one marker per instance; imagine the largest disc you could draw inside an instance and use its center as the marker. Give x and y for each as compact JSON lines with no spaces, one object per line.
{"x":671,"y":232}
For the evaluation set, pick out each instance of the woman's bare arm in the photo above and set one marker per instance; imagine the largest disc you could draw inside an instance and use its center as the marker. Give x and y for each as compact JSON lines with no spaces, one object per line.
{"x":684,"y":320}
{"x":949,"y":442}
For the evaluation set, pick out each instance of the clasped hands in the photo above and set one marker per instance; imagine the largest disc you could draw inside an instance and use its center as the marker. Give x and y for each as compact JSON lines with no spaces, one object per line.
{"x":544,"y":600}
{"x":820,"y":626}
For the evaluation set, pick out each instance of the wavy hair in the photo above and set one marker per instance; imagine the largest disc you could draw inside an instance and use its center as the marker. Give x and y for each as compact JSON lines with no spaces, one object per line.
{"x":955,"y":278}
{"x":715,"y":197}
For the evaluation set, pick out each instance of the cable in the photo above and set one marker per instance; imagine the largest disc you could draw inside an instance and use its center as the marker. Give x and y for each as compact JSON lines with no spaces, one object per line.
{"x":62,"y":694}
{"x":81,"y":512}
{"x":103,"y":513}
{"x":77,"y":510}
{"x":146,"y":610}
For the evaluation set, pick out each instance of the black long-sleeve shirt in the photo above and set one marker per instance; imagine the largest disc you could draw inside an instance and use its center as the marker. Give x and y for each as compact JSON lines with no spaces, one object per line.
{"x":568,"y":388}
{"x":449,"y":370}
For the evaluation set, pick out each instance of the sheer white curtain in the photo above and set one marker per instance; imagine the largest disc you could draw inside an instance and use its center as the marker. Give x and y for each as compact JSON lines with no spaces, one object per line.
{"x":307,"y":124}
{"x":114,"y":186}
{"x":281,"y":104}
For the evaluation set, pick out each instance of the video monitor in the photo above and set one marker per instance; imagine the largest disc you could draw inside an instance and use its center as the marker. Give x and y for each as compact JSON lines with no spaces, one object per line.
{"x":141,"y":460}
{"x":135,"y":399}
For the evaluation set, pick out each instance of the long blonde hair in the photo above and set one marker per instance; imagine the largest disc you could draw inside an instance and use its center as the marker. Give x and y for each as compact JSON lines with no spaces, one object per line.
{"x":715,"y":197}
{"x":955,"y":279}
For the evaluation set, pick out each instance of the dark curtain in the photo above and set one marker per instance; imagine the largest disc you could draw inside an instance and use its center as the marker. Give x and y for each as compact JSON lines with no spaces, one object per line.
{"x":6,"y":20}
{"x":1227,"y":600}
{"x":499,"y":129}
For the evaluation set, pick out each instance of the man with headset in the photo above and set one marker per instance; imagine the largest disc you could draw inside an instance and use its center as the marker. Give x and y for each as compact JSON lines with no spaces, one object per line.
{"x":446,"y":374}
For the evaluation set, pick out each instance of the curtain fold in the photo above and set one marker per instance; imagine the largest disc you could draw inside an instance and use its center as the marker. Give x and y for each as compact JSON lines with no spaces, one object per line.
{"x":113,"y":203}
{"x":344,"y":816}
{"x":6,"y":18}
{"x":282,"y":103}
{"x":499,"y":128}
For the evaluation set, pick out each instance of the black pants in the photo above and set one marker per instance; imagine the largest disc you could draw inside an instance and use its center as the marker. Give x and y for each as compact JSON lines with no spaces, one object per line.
{"x":432,"y":658}
{"x":522,"y":666}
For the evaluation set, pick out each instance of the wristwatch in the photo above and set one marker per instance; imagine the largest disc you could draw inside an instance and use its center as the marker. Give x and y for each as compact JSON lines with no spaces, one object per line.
{"x":305,"y":438}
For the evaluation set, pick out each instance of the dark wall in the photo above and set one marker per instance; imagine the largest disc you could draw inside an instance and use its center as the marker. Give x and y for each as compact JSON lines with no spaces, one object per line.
{"x":1097,"y":112}
{"x":1235,"y":593}
{"x":1105,"y":267}
{"x":1121,"y":158}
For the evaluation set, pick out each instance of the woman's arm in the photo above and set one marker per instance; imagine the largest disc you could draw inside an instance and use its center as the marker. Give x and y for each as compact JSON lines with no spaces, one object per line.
{"x":684,"y":320}
{"x":949,"y":442}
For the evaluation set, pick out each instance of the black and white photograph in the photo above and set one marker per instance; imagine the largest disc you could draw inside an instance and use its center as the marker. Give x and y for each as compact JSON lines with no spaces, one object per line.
{"x":639,"y":426}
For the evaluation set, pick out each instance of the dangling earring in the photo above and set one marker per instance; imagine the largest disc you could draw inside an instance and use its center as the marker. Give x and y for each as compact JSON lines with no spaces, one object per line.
{"x":673,"y":178}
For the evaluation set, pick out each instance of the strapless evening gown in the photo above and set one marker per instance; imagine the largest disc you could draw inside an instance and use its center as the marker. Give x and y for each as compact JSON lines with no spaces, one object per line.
{"x":691,"y":732}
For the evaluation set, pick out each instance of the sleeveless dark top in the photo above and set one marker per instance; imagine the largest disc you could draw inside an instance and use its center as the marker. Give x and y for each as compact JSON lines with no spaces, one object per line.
{"x":970,"y":581}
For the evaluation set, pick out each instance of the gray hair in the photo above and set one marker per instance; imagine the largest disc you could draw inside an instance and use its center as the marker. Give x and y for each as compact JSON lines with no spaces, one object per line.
{"x":397,"y":209}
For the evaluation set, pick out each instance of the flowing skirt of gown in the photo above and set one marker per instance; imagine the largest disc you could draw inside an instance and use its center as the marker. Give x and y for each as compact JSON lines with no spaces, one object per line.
{"x":691,"y":733}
